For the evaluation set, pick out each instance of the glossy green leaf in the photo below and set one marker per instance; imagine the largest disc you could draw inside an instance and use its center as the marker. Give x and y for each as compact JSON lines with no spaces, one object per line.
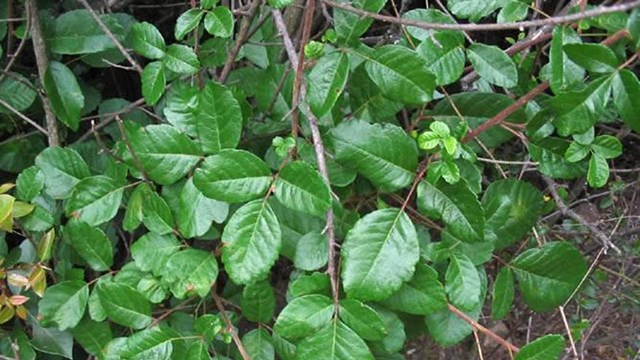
{"x":326,"y":82}
{"x":91,"y":243}
{"x":503,"y":294}
{"x":156,"y":214}
{"x":335,"y":341}
{"x":431,"y":16}
{"x":462,"y":282}
{"x":549,"y":154}
{"x":95,"y":200}
{"x":147,"y":40}
{"x":153,"y":82}
{"x":151,"y":251}
{"x":384,"y":154}
{"x":598,"y":172}
{"x":153,"y":343}
{"x":316,"y":283}
{"x":197,"y":212}
{"x":456,"y":205}
{"x":350,"y":26}
{"x":445,"y":58}
{"x":626,"y":90}
{"x":251,"y":242}
{"x":401,"y":74}
{"x":124,"y":305}
{"x":15,"y":92}
{"x":219,"y":22}
{"x":396,"y":336}
{"x":511,"y":208}
{"x":422,"y":295}
{"x":576,"y":152}
{"x":133,"y":211}
{"x":379,"y":254}
{"x":29,"y":183}
{"x":219,"y":119}
{"x":181,"y":106}
{"x":76,"y":32}
{"x":258,"y":345}
{"x":64,"y":303}
{"x":312,"y":251}
{"x":258,"y":302}
{"x":51,"y":341}
{"x":548,"y":347}
{"x":300,"y":187}
{"x":595,"y":58}
{"x":198,"y":350}
{"x":64,"y":93}
{"x":367,"y":101}
{"x":166,"y":154}
{"x":565,"y":74}
{"x":233,"y":176}
{"x":304,"y":316}
{"x":493,"y":65}
{"x":187,"y":21}
{"x":514,"y":10}
{"x":181,"y":59}
{"x":471,"y":9}
{"x":578,"y":111}
{"x":607,"y":146}
{"x":190,"y":270}
{"x":362,"y":319}
{"x":547,"y":276}
{"x":6,"y":212}
{"x":92,"y":336}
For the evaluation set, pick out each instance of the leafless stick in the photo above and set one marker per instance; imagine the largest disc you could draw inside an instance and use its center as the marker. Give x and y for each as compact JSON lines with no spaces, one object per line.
{"x":15,"y":55}
{"x":42,"y":63}
{"x":509,"y":346}
{"x":568,"y":329}
{"x":240,"y":40}
{"x":111,"y":36}
{"x":23,"y":117}
{"x":230,"y":328}
{"x":297,"y":81}
{"x":557,"y":20}
{"x":108,"y":119}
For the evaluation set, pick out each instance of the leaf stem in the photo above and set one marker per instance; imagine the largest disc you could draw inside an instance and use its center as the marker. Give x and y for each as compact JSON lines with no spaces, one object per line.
{"x":230,"y":328}
{"x":505,"y":343}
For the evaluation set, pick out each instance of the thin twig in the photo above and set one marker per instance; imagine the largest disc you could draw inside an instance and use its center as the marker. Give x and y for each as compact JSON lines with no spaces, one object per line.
{"x":108,"y":119}
{"x":23,"y":117}
{"x":42,"y":62}
{"x":240,"y":40}
{"x":111,"y":36}
{"x":505,"y":343}
{"x":557,"y":20}
{"x":568,"y":330}
{"x":230,"y":328}
{"x":16,"y":54}
{"x":297,"y":80}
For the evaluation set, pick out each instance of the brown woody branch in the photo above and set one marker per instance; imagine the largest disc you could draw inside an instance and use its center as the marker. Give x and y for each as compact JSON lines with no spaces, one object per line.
{"x":240,"y":40}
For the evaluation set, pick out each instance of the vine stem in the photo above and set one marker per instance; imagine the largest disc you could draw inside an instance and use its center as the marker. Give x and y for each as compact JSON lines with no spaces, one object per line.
{"x":297,"y":80}
{"x":230,"y":329}
{"x":240,"y":40}
{"x":556,"y":20}
{"x":505,"y":343}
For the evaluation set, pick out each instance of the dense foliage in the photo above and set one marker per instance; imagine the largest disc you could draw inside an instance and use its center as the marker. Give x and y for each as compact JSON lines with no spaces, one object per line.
{"x":329,"y":200}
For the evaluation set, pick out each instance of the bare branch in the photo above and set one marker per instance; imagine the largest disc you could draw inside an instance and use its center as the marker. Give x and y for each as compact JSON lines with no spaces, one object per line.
{"x":230,"y":328}
{"x":509,"y":346}
{"x":23,"y":117}
{"x":240,"y":40}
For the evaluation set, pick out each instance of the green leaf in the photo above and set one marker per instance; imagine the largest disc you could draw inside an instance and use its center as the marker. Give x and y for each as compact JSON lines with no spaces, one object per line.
{"x":156,"y":214}
{"x":6,"y":212}
{"x":304,"y":316}
{"x":431,"y":16}
{"x":595,"y":58}
{"x":576,"y":152}
{"x":95,"y":200}
{"x":181,"y":59}
{"x":15,"y":92}
{"x":76,"y":32}
{"x":181,"y":109}
{"x":578,"y":111}
{"x":598,"y":172}
{"x":258,"y":345}
{"x":503,"y":294}
{"x":187,"y":21}
{"x":335,"y":341}
{"x":279,"y":4}
{"x":153,"y":82}
{"x":300,"y":187}
{"x":219,"y":22}
{"x":64,"y":93}
{"x":190,"y":270}
{"x":445,"y":58}
{"x":51,"y":341}
{"x":93,"y":336}
{"x":362,"y":319}
{"x":513,"y":11}
{"x":133,"y":212}
{"x":251,"y":242}
{"x":401,"y":74}
{"x":422,"y":295}
{"x":456,"y":205}
{"x":124,"y":305}
{"x":384,"y":154}
{"x":219,"y":119}
{"x":379,"y":254}
{"x":626,"y":90}
{"x":312,"y":251}
{"x":151,"y":251}
{"x":326,"y":82}
{"x":549,"y":153}
{"x":29,"y":183}
{"x":196,"y":212}
{"x":64,"y":304}
{"x":548,"y":275}
{"x":154,"y":343}
{"x":471,"y":9}
{"x":62,"y":168}
{"x":166,"y":154}
{"x":233,"y":176}
{"x":258,"y":302}
{"x":91,"y":243}
{"x":462,"y":282}
{"x":512,"y":208}
{"x":350,"y":26}
{"x":564,"y":73}
{"x":367,"y":101}
{"x":633,"y":25}
{"x":607,"y":146}
{"x":147,"y":40}
{"x":493,"y":65}
{"x":395,"y":339}
{"x":316,"y":283}
{"x":548,"y":347}
{"x":198,"y":350}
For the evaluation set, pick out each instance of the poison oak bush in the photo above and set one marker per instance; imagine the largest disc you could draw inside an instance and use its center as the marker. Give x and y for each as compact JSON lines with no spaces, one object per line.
{"x":167,"y":227}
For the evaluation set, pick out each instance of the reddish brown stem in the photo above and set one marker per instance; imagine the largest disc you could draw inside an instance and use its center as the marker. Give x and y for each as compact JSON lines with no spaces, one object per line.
{"x":506,"y":344}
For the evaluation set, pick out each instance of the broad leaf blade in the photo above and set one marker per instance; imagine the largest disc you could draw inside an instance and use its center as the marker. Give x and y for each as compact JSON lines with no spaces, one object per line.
{"x":493,"y":65}
{"x":548,"y":347}
{"x":300,"y":187}
{"x":503,"y":294}
{"x":258,"y":302}
{"x":362,"y":319}
{"x":219,"y":119}
{"x":124,"y":305}
{"x":153,"y":82}
{"x":190,"y":270}
{"x":326,"y":82}
{"x":197,"y":212}
{"x":304,"y":316}
{"x":626,"y":91}
{"x":151,"y":251}
{"x":334,"y":342}
{"x":564,"y":72}
{"x":95,"y":200}
{"x":422,"y":295}
{"x":64,"y":304}
{"x":91,"y":243}
{"x":593,"y":57}
{"x":147,"y":40}
{"x":64,"y":94}
{"x":462,"y":282}
{"x":579,"y":111}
